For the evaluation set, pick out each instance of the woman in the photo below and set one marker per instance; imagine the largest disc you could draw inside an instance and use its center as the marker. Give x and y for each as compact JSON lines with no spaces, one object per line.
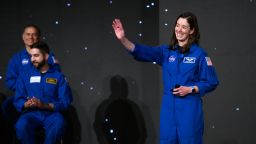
{"x":188,"y":74}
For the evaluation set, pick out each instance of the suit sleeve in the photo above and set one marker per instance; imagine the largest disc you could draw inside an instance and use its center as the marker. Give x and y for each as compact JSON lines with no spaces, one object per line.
{"x":12,"y":74}
{"x":64,"y":95}
{"x":20,"y":94}
{"x":208,"y":80}
{"x":54,"y":62}
{"x":148,"y":54}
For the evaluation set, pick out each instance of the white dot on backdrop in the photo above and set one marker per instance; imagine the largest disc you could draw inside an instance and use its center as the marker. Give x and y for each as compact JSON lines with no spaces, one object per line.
{"x":111,"y":131}
{"x":147,"y":6}
{"x":140,"y":22}
{"x":56,"y":22}
{"x":85,"y":48}
{"x":213,"y":126}
{"x":154,"y":62}
{"x":166,"y":24}
{"x":68,"y":4}
{"x":152,"y":4}
{"x":82,"y":83}
{"x":140,"y":34}
{"x":237,"y":109}
{"x":1,"y":77}
{"x":91,"y":88}
{"x":114,"y":138}
{"x":215,"y":48}
{"x":166,"y":10}
{"x":110,"y":1}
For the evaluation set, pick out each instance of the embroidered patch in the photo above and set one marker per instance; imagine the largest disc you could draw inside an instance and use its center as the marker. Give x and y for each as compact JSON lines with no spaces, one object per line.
{"x":189,"y":60}
{"x":55,"y":60}
{"x":208,"y":61}
{"x":172,"y":58}
{"x":51,"y":80}
{"x":35,"y":79}
{"x":24,"y":61}
{"x":66,"y":79}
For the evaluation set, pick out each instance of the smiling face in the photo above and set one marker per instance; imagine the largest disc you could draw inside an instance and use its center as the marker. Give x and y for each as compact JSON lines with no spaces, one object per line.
{"x":183,"y":31}
{"x":30,"y":36}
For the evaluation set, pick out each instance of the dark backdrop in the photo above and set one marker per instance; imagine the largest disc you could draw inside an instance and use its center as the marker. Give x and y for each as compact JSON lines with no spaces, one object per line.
{"x":228,"y":34}
{"x":80,"y":34}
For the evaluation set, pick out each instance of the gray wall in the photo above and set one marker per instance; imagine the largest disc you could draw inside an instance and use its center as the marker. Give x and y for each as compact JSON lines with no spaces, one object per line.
{"x":90,"y":56}
{"x":228,"y":34}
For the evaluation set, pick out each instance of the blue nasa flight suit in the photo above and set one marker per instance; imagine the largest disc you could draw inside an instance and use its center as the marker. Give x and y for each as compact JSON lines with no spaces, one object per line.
{"x":181,"y":118}
{"x":49,"y":87}
{"x":20,"y":62}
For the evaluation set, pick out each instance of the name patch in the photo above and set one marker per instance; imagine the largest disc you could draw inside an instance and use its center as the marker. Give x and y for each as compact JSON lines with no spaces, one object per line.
{"x":35,"y":79}
{"x":189,"y":60}
{"x":51,"y":80}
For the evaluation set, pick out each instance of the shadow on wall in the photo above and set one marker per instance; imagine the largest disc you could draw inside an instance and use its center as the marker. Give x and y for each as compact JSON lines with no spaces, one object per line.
{"x":73,"y":131}
{"x":152,"y":135}
{"x":2,"y":128}
{"x":118,"y":119}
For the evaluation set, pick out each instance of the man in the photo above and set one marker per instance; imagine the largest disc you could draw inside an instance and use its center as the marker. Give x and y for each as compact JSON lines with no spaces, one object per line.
{"x":20,"y":61}
{"x":41,"y":94}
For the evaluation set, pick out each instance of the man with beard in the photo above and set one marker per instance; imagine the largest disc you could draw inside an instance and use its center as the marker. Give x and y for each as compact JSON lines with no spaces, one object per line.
{"x":41,"y":94}
{"x":20,"y":62}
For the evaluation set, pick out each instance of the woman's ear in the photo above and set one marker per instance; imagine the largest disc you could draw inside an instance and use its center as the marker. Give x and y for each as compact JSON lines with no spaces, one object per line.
{"x":192,"y":31}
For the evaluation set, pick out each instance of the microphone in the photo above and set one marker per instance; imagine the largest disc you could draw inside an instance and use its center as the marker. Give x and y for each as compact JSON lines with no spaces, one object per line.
{"x":176,"y":86}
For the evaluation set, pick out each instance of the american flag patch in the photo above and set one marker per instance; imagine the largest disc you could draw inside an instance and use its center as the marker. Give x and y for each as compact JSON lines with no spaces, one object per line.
{"x":208,"y":61}
{"x":55,"y":61}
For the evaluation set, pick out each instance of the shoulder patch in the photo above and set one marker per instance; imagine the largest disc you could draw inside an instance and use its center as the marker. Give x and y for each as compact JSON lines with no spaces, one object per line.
{"x":208,"y":61}
{"x":51,"y":80}
{"x":55,"y":60}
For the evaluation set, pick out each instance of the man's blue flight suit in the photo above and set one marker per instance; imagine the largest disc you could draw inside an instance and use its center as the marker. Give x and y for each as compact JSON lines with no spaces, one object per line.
{"x":49,"y":87}
{"x":20,"y":62}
